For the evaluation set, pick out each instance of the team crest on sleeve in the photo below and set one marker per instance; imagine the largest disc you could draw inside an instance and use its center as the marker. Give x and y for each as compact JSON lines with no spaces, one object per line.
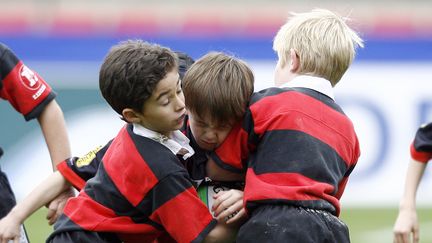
{"x":87,"y":159}
{"x":28,"y":78}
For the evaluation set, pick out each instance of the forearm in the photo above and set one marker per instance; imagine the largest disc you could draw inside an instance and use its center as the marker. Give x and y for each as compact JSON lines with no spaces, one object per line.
{"x":412,"y":181}
{"x":44,"y":193}
{"x":53,"y":127}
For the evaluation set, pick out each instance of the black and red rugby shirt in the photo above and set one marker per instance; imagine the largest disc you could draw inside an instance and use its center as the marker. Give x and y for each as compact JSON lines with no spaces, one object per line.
{"x":141,"y":191}
{"x":421,"y":147}
{"x":78,"y":170}
{"x":296,"y":146}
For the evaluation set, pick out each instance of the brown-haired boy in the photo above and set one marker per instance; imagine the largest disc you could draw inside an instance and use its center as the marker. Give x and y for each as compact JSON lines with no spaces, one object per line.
{"x":97,"y":193}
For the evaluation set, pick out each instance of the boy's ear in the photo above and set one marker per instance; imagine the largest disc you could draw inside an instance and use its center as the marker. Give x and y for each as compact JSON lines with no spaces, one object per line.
{"x":131,"y":116}
{"x":295,"y":60}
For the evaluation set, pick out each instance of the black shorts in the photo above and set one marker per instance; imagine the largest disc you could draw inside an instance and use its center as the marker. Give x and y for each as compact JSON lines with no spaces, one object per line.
{"x":285,"y":223}
{"x":7,"y":198}
{"x":82,"y":236}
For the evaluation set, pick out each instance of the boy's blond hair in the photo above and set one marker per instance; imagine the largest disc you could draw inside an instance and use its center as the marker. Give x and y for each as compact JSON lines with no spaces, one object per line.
{"x":325,"y":44}
{"x":218,"y":86}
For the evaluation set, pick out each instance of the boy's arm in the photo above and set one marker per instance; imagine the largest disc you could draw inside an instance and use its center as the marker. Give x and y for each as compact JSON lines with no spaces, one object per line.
{"x":76,"y":171}
{"x":53,"y":126}
{"x":406,"y":224}
{"x":232,"y":153}
{"x":45,"y":192}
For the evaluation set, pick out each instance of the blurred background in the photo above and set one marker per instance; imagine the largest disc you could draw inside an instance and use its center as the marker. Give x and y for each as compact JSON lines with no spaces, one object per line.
{"x":387,"y":91}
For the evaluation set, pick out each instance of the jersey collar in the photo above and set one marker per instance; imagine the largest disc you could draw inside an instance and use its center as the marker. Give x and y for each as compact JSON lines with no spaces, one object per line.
{"x":315,"y":83}
{"x":175,"y":143}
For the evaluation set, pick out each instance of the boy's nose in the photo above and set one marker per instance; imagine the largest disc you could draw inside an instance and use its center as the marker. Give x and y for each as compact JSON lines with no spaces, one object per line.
{"x":211,"y":135}
{"x":180,"y":104}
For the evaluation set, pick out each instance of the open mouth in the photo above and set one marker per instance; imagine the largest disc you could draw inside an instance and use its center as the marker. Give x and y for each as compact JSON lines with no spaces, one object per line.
{"x":181,"y":118}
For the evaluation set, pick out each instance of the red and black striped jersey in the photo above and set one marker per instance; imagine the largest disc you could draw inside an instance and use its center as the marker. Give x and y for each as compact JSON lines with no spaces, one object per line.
{"x":296,"y":146}
{"x":141,"y":191}
{"x":25,"y":90}
{"x":78,"y":170}
{"x":421,"y":147}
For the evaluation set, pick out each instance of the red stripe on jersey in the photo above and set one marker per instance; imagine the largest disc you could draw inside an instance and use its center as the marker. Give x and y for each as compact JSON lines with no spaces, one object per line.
{"x":128,"y":170}
{"x":24,"y":89}
{"x":286,"y":186}
{"x":318,"y":120}
{"x":196,"y":216}
{"x":341,"y":189}
{"x":70,"y":175}
{"x":420,"y":156}
{"x":228,"y":150}
{"x":90,"y":215}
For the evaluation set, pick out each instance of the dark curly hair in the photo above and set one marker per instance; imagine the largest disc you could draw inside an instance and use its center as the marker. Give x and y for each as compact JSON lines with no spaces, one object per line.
{"x":131,"y":71}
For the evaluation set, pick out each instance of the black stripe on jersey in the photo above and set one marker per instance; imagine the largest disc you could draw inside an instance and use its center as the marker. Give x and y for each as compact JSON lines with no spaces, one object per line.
{"x":257,"y":96}
{"x":166,"y":189}
{"x":224,"y":165}
{"x":159,"y":158}
{"x":8,"y":61}
{"x":350,"y":169}
{"x":102,"y":190}
{"x":89,"y":171}
{"x":423,"y":139}
{"x":66,"y":225}
{"x":310,"y":204}
{"x":248,"y":125}
{"x":290,"y":151}
{"x":40,"y":107}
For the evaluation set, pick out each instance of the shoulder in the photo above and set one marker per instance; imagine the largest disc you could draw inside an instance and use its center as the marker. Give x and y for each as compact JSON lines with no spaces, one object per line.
{"x":3,"y":49}
{"x":141,"y":153}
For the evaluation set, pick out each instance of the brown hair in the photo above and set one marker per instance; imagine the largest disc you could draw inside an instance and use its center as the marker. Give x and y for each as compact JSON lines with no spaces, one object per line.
{"x":219,"y":86}
{"x":131,"y":71}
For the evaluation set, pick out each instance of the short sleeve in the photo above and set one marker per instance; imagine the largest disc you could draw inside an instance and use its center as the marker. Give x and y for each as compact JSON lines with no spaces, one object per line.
{"x":421,"y":147}
{"x":232,"y":153}
{"x":25,"y":90}
{"x":79,"y":170}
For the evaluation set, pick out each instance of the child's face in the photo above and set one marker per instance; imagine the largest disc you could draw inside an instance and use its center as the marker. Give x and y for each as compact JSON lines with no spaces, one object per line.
{"x":165,"y":110}
{"x":208,"y":134}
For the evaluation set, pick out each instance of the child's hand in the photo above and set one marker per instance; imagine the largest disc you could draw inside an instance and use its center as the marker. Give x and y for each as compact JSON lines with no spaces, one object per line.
{"x":9,"y":229}
{"x":406,"y":228}
{"x":228,"y":206}
{"x":55,"y":207}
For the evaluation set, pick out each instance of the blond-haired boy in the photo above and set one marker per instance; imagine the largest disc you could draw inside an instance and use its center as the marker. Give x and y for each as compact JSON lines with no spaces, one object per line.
{"x":300,"y":146}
